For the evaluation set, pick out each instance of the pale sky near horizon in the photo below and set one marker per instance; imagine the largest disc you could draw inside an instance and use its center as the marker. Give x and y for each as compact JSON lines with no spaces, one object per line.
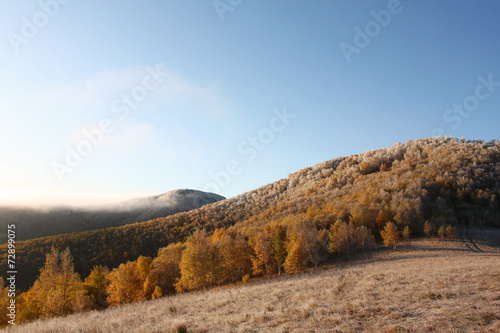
{"x":110,"y":100}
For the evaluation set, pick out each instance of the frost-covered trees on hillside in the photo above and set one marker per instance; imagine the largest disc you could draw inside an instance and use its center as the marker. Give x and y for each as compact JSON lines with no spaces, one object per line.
{"x":422,"y":184}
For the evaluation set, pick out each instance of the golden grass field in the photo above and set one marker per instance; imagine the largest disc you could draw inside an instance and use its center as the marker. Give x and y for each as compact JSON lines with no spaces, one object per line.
{"x":425,"y":286}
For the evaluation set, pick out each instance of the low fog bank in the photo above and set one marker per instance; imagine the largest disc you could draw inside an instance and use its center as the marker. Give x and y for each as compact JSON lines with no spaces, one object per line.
{"x":43,"y":200}
{"x":45,"y":220}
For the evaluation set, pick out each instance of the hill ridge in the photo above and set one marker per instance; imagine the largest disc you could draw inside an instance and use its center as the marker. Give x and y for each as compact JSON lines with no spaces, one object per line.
{"x":443,"y":180}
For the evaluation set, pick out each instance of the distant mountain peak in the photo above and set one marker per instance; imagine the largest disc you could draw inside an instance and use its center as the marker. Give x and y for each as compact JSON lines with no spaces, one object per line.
{"x":34,"y":223}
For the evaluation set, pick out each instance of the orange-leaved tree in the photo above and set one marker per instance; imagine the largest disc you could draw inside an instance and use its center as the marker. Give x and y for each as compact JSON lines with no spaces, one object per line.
{"x":341,"y":237}
{"x":57,"y":291}
{"x":235,"y":252}
{"x":441,"y":232}
{"x":390,"y":234}
{"x":306,"y":246}
{"x":201,"y":265}
{"x":96,"y":284}
{"x":126,"y":285}
{"x":277,"y":235}
{"x":406,"y":233}
{"x":450,"y":232}
{"x":144,"y":269}
{"x":165,"y":269}
{"x":263,"y":260}
{"x":427,"y":228}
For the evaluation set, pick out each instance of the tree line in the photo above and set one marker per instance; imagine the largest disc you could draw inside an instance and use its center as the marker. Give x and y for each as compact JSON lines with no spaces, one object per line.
{"x":204,"y":261}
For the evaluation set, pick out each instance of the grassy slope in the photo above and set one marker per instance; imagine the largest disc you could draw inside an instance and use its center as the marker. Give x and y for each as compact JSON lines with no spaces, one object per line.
{"x":428,"y":285}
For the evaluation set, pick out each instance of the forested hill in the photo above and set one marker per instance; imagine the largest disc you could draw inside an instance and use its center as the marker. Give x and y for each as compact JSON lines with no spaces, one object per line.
{"x":440,"y":180}
{"x":49,"y":221}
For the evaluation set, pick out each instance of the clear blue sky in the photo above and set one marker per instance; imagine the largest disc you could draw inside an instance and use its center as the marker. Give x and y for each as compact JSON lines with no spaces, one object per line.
{"x":211,"y":107}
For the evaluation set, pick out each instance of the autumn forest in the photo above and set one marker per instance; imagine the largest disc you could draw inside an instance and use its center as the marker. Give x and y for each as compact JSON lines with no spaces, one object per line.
{"x":335,"y":209}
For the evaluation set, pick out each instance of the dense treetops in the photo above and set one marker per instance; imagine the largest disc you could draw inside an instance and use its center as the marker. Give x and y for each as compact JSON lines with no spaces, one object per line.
{"x":444,"y":181}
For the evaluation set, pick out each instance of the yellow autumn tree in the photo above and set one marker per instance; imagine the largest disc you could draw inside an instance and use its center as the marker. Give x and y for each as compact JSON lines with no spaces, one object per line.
{"x":296,"y":260}
{"x":28,"y":307}
{"x":344,"y":237}
{"x":57,"y":291}
{"x":441,"y":232}
{"x":390,"y":234}
{"x":126,"y":285}
{"x":427,"y":228}
{"x":406,"y":233}
{"x":263,"y":260}
{"x":201,"y":265}
{"x":165,"y":269}
{"x":144,"y":270}
{"x":96,"y":284}
{"x":363,"y":238}
{"x":235,"y":252}
{"x":450,"y":232}
{"x":382,"y":218}
{"x":306,"y":247}
{"x":341,"y":237}
{"x":278,"y":245}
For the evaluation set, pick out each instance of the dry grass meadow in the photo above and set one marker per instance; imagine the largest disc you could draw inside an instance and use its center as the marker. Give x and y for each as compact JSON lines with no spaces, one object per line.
{"x":428,"y":285}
